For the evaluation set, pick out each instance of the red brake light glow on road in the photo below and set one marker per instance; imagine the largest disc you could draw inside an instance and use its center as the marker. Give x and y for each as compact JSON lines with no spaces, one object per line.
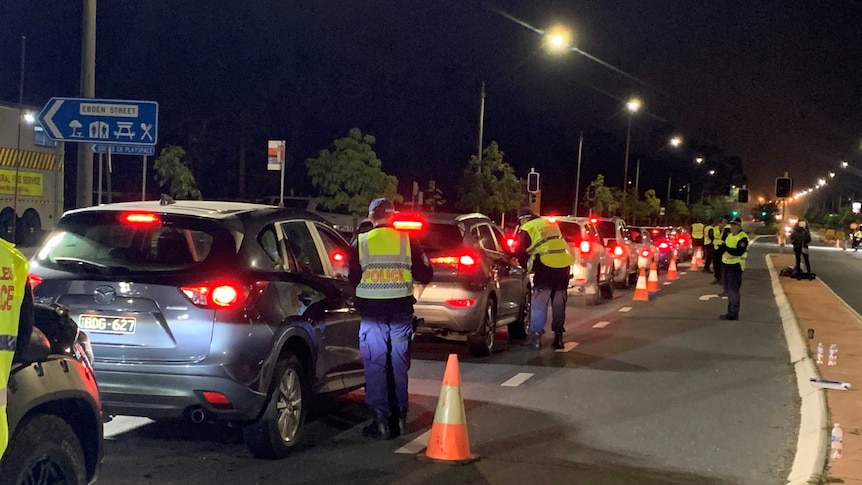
{"x":140,"y":218}
{"x":585,"y":247}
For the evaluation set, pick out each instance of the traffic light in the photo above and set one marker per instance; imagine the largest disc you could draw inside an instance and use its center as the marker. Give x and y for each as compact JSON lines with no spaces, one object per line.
{"x":734,"y":213}
{"x":591,"y":192}
{"x":533,"y":182}
{"x":762,"y":213}
{"x":783,"y":187}
{"x":742,"y":196}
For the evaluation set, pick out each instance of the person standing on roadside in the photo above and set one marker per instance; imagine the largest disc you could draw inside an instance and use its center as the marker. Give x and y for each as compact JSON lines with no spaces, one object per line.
{"x":708,"y":249}
{"x":543,"y":251}
{"x":733,"y":264}
{"x":800,"y":238}
{"x":16,"y":322}
{"x":383,"y":266}
{"x":721,"y":230}
{"x":697,"y":238}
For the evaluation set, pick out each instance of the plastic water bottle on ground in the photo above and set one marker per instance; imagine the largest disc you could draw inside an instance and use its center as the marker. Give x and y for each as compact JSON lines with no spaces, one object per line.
{"x":837,"y":445}
{"x":833,"y":354}
{"x":820,"y":353}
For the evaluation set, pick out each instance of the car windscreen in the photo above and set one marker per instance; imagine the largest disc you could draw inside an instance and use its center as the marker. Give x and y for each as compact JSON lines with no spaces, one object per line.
{"x":607,"y":229}
{"x":439,"y":238}
{"x":635,"y":233}
{"x":572,"y":232}
{"x":112,"y":243}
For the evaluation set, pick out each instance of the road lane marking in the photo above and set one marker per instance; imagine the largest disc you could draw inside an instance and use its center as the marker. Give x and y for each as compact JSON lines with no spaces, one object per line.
{"x":567,"y":347}
{"x":415,"y":446}
{"x":707,"y":297}
{"x":666,"y":283}
{"x":625,"y":309}
{"x":683,"y":272}
{"x":124,"y":424}
{"x":519,"y":379}
{"x":601,"y":324}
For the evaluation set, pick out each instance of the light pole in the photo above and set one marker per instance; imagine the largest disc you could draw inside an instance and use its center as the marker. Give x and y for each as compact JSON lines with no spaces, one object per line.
{"x":633,"y":105}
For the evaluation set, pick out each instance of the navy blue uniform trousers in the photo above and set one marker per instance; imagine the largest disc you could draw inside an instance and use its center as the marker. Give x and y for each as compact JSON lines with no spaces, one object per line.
{"x":384,"y":343}
{"x":732,"y":274}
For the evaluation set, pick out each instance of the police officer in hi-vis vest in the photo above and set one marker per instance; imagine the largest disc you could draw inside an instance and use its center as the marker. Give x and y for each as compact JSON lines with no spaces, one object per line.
{"x":708,"y":248}
{"x":383,"y":267}
{"x":733,"y":264}
{"x":544,"y":252}
{"x":697,"y":235}
{"x":16,"y":321}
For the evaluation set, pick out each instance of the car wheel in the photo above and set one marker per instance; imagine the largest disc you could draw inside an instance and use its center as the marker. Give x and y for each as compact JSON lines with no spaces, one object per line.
{"x":596,"y":297}
{"x":633,"y":277}
{"x":482,"y":342}
{"x":518,"y":329}
{"x":627,"y":279}
{"x":280,"y":427}
{"x":43,"y":451}
{"x":608,"y":290}
{"x":30,"y":229}
{"x":7,"y":224}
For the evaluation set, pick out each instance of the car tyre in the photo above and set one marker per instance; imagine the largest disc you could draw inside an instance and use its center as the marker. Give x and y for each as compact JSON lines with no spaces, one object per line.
{"x":44,"y":450}
{"x":29,"y":229}
{"x":518,"y":329}
{"x":627,"y":279}
{"x":482,"y":342}
{"x":595,"y":297}
{"x":280,"y":428}
{"x":608,"y":289}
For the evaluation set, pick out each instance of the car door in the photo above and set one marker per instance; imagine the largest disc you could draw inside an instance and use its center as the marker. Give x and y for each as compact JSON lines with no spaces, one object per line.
{"x":605,"y":260}
{"x":507,"y":275}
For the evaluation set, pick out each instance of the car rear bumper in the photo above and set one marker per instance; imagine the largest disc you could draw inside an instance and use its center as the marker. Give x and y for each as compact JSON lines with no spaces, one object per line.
{"x":442,"y":317}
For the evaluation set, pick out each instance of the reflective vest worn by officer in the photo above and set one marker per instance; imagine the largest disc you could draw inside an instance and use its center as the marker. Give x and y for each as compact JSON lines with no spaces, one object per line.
{"x":385,"y":258}
{"x":730,"y":242}
{"x":547,"y":244}
{"x":13,"y":277}
{"x":697,"y":230}
{"x":708,"y":234}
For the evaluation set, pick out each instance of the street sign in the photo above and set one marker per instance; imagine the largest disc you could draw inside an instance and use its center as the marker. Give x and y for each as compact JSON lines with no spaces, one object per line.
{"x":275,"y":155}
{"x":144,"y":150}
{"x":109,"y":121}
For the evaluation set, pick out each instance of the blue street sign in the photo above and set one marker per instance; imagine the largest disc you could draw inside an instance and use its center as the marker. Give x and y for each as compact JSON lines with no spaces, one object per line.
{"x":146,"y":150}
{"x":107,"y":121}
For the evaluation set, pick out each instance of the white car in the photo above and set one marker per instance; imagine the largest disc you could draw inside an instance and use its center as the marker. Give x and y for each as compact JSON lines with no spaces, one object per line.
{"x":618,"y":243}
{"x":593,"y":269}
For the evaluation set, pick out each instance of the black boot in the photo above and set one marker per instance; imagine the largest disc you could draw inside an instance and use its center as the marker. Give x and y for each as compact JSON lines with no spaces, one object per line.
{"x":379,"y":428}
{"x":402,"y":423}
{"x":558,"y":340}
{"x":534,"y":341}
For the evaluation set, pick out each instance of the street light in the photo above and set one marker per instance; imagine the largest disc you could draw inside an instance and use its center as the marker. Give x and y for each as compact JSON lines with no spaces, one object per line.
{"x":558,"y":39}
{"x":675,"y":141}
{"x":698,"y":160}
{"x":633,"y":105}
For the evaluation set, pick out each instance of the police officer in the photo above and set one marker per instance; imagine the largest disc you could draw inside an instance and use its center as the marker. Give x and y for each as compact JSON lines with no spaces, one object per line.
{"x":733,"y":264}
{"x":544,"y":252}
{"x":16,"y":321}
{"x":708,"y":248}
{"x":800,"y":238}
{"x":384,"y":265}
{"x":720,"y":232}
{"x":697,"y":236}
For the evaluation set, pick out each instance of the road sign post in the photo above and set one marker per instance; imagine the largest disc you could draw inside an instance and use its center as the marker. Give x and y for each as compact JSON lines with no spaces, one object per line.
{"x":275,"y":161}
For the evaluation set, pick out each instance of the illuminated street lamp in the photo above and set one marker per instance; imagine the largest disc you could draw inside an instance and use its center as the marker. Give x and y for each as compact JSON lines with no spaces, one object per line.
{"x":821,"y":182}
{"x":698,"y":160}
{"x":832,"y":175}
{"x":558,"y":39}
{"x":712,"y":172}
{"x":633,"y":105}
{"x":844,"y":164}
{"x":675,"y":141}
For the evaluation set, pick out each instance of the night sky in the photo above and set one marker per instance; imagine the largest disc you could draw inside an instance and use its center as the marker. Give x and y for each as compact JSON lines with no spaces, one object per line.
{"x":775,"y":82}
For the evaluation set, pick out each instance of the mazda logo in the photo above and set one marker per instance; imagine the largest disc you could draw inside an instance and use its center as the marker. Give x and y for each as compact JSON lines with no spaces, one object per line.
{"x":104,"y":294}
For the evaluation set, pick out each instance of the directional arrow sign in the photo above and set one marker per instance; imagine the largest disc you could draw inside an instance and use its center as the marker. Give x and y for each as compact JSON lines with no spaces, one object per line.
{"x":108,"y":121}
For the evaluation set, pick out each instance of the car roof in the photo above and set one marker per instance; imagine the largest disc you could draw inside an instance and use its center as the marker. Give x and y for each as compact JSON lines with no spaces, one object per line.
{"x":451,"y":217}
{"x":197,"y":208}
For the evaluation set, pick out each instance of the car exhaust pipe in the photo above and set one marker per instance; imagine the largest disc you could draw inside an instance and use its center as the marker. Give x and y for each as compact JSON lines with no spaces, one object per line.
{"x":197,"y":415}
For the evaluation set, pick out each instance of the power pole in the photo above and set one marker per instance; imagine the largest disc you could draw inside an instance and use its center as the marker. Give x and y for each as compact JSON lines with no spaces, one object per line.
{"x":88,"y":90}
{"x":578,"y":177}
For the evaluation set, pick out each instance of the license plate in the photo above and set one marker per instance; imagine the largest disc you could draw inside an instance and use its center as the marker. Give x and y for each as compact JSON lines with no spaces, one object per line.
{"x":104,"y":324}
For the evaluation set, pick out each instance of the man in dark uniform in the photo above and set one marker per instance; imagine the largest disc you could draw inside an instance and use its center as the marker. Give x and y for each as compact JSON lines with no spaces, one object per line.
{"x":383,"y":266}
{"x":733,"y":264}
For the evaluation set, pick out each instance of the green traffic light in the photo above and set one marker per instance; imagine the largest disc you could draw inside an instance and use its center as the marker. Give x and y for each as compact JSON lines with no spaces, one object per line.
{"x":763,"y":213}
{"x":735,"y":213}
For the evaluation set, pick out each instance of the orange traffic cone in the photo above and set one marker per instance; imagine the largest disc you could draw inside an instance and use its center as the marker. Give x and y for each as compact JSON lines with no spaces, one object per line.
{"x":700,"y":256}
{"x":695,"y":259}
{"x":671,"y":270}
{"x":641,"y":292}
{"x":448,"y":442}
{"x":652,"y":281}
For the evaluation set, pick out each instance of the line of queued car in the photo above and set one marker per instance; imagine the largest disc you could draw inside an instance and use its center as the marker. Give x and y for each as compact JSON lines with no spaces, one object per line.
{"x":241,"y":313}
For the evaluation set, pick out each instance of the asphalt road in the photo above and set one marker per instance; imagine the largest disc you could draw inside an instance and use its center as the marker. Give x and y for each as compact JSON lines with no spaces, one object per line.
{"x":658,"y":392}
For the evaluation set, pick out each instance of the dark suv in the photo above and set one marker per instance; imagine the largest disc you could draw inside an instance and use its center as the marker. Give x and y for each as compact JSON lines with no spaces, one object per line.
{"x":208,"y":310}
{"x":55,"y":415}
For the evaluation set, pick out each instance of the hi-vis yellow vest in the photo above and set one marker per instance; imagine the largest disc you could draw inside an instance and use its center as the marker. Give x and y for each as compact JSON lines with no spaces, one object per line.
{"x":707,"y":234}
{"x":697,"y":230}
{"x":384,"y":255}
{"x":13,"y":276}
{"x":547,"y":244}
{"x":719,"y":233}
{"x":731,"y":242}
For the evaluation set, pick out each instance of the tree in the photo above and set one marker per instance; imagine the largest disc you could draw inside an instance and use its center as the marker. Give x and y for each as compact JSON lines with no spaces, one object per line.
{"x":350,"y":175}
{"x":603,"y":202}
{"x":653,"y":204}
{"x":172,"y":171}
{"x":677,"y":211}
{"x":489,"y":185}
{"x":433,"y":196}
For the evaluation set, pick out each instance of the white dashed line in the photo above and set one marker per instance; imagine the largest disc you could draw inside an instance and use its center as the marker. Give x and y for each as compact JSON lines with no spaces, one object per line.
{"x":415,"y":446}
{"x":667,"y":283}
{"x":601,"y":324}
{"x":516,"y":381}
{"x":567,"y":347}
{"x":625,"y":309}
{"x":683,"y":272}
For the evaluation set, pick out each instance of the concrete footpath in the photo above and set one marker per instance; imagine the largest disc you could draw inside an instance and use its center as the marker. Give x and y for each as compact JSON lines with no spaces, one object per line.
{"x":811,"y":305}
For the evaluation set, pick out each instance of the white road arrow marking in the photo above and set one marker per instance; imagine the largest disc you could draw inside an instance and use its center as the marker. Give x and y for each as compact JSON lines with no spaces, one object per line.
{"x":625,"y":309}
{"x":415,"y":446}
{"x":567,"y":347}
{"x":707,"y":297}
{"x":601,"y":324}
{"x":49,"y":122}
{"x":516,"y":381}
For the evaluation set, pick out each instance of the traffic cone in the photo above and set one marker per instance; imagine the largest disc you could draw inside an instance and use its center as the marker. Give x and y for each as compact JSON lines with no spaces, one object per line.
{"x":671,"y":270}
{"x":448,"y":442}
{"x":652,"y":281}
{"x":695,"y":259}
{"x":641,"y":292}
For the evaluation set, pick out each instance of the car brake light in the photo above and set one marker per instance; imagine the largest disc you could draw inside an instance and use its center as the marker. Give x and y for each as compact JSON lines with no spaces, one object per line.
{"x":464,"y":261}
{"x":411,"y":224}
{"x":510,"y":242}
{"x":594,"y":220}
{"x":663,"y":245}
{"x":223,"y":295}
{"x":217,"y":400}
{"x":585,"y":247}
{"x":337,"y":257}
{"x":552,"y":219}
{"x":33,"y":280}
{"x":682,"y":241}
{"x":465,"y":303}
{"x":618,"y":251}
{"x":645,"y":253}
{"x":140,"y":218}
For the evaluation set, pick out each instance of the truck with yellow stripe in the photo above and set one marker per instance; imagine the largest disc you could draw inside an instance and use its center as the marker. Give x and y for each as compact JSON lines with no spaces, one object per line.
{"x":31,"y":176}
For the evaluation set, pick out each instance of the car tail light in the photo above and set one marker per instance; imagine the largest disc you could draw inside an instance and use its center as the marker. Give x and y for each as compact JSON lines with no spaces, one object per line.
{"x":645,"y":253}
{"x":459,"y":262}
{"x":585,"y":247}
{"x":217,"y":400}
{"x":224,"y":295}
{"x":682,"y":241}
{"x":594,"y":220}
{"x":552,"y":219}
{"x":34,"y":280}
{"x":464,"y":303}
{"x":663,"y":245}
{"x":337,"y":257}
{"x":408,"y":223}
{"x":618,"y":251}
{"x":140,"y":218}
{"x":510,"y":243}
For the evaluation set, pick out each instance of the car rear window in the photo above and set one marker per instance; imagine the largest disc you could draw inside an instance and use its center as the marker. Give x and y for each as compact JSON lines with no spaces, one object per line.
{"x":607,"y":229}
{"x":658,"y":233}
{"x":636,"y":235}
{"x":105,"y":243}
{"x":572,"y":232}
{"x":441,"y":237}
